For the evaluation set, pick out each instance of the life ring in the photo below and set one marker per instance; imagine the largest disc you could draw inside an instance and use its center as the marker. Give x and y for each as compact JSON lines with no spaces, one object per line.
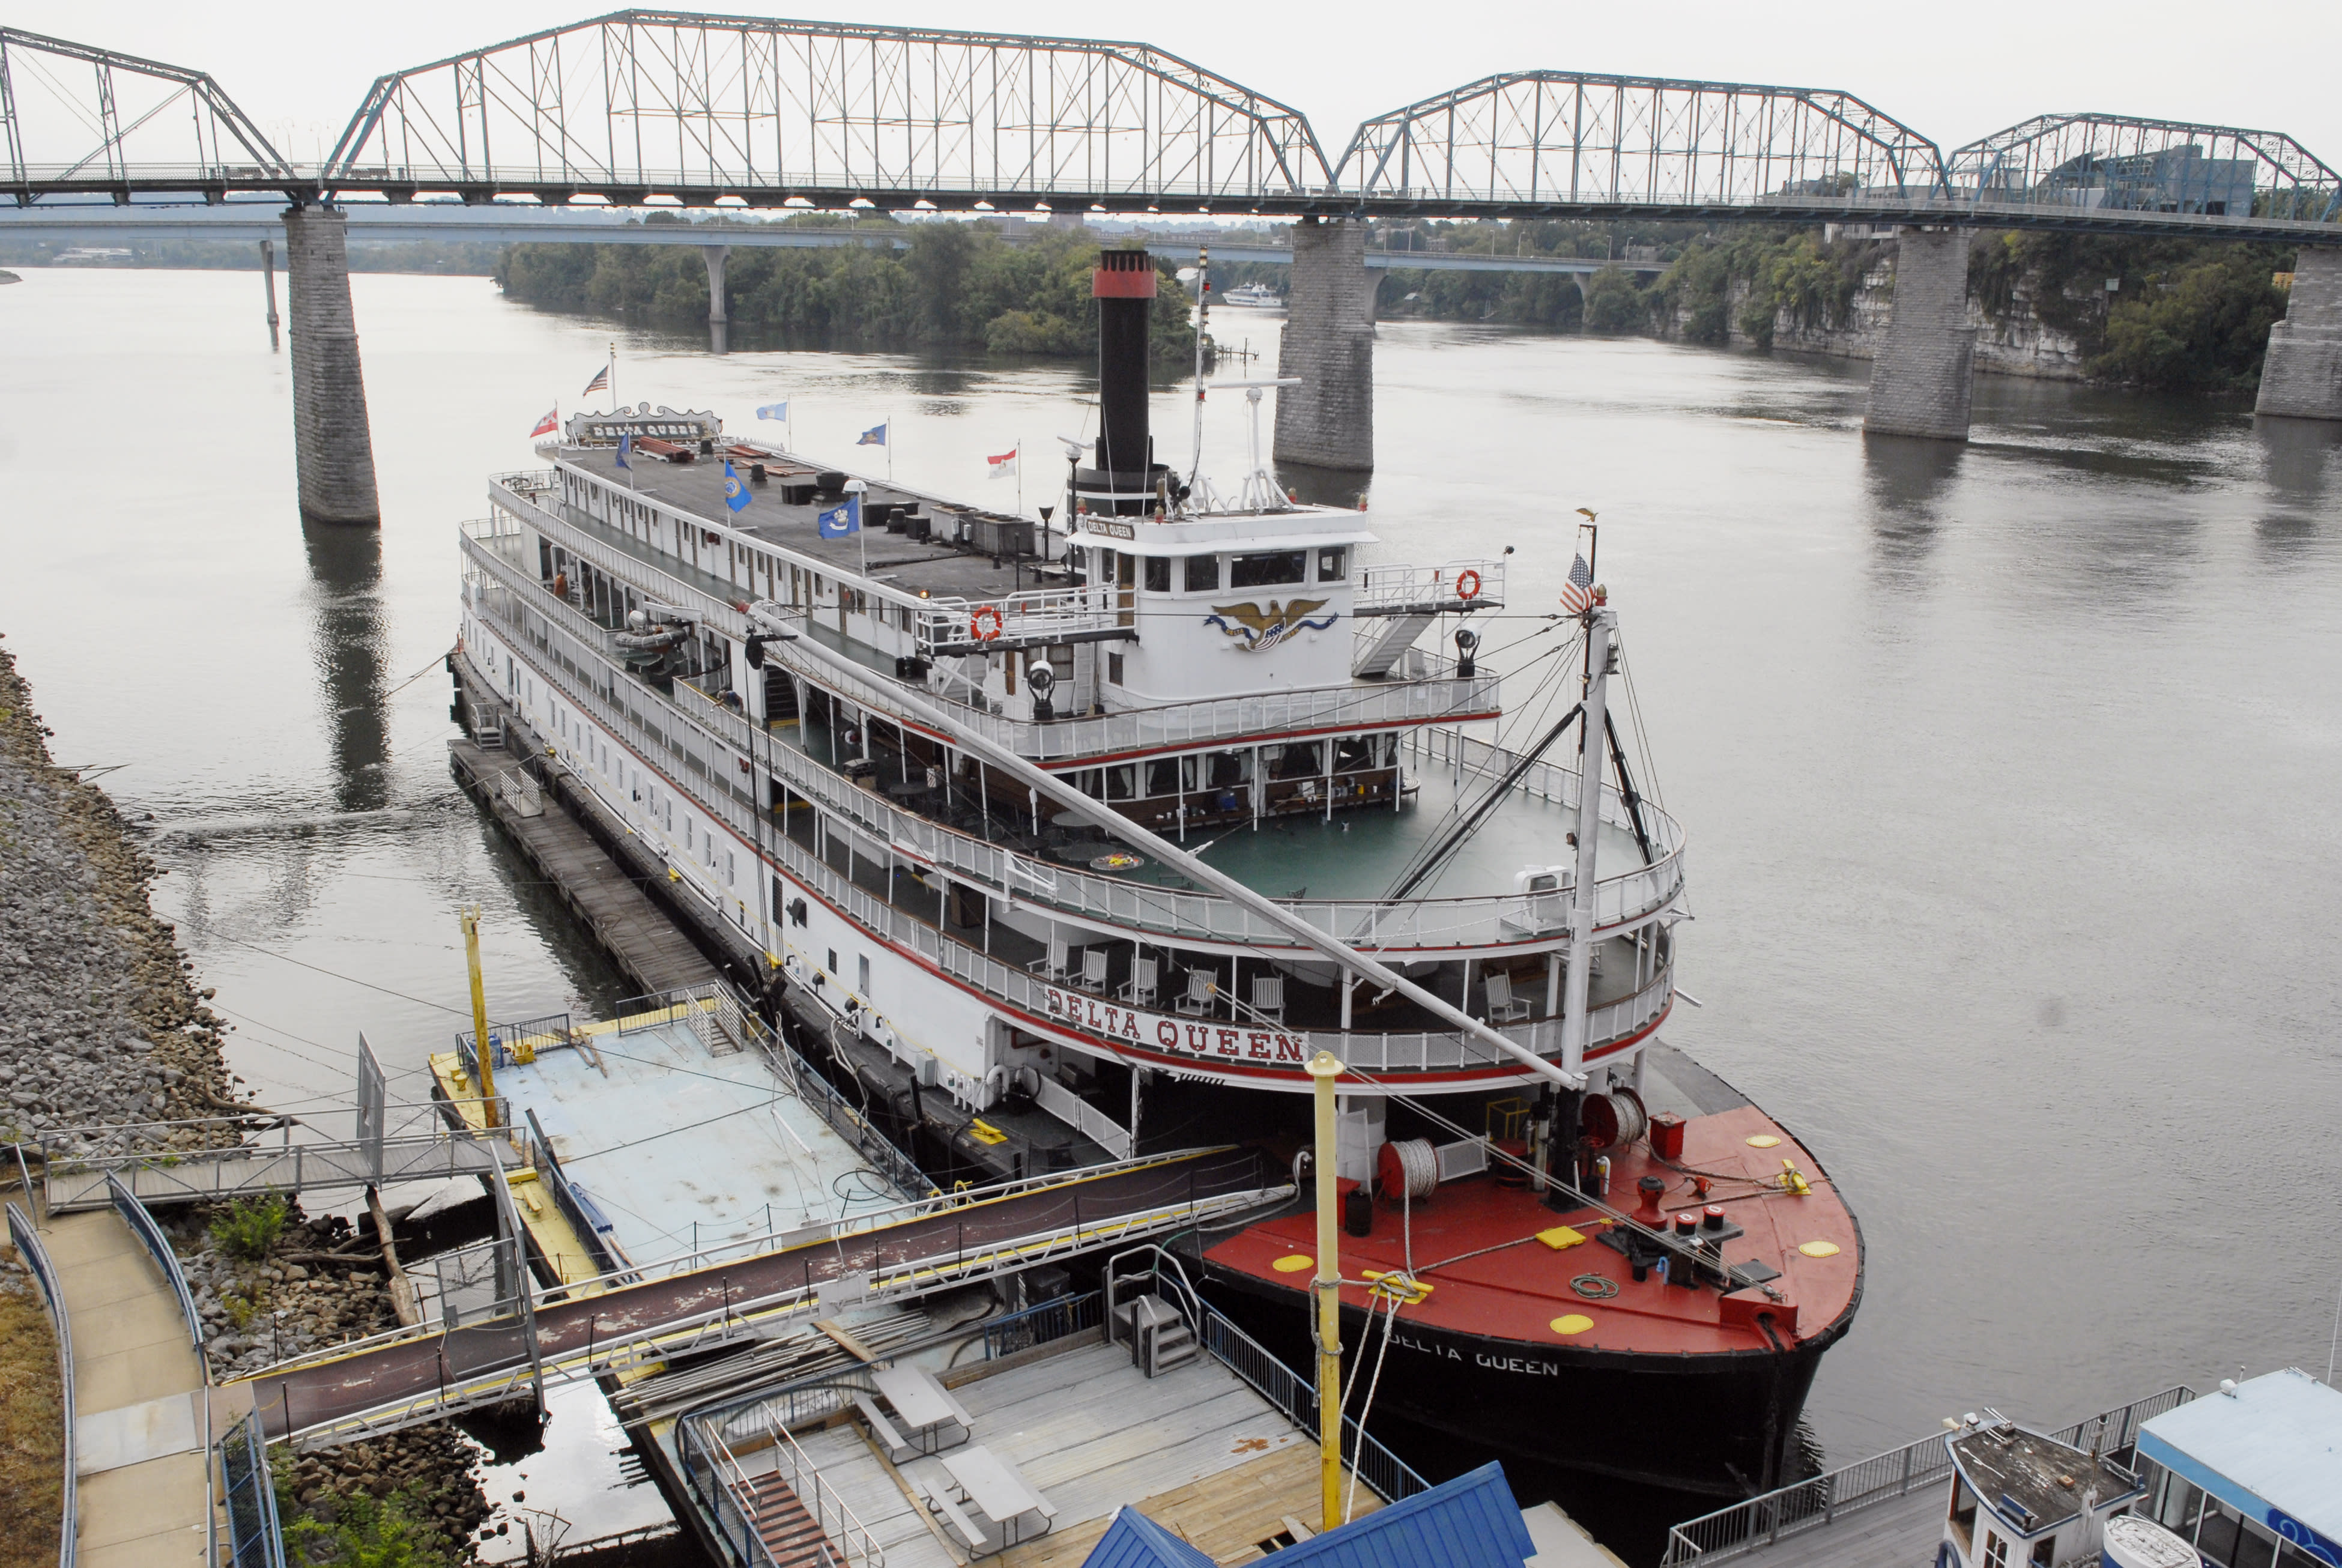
{"x":976,"y":623}
{"x":1467,"y":585}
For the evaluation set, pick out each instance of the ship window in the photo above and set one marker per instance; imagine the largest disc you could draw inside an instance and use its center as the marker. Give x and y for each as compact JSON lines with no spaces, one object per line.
{"x":2216,"y":1540}
{"x":1163,"y":777}
{"x":1996,"y":1551}
{"x":1332,"y":565}
{"x":1354,"y":754}
{"x":1121,"y":782}
{"x":1114,"y":669}
{"x":1158,"y":574}
{"x":833,"y":961}
{"x":1203,"y":573}
{"x":862,"y":975}
{"x":1263,"y":571}
{"x":2181,"y":1504}
{"x":2045,"y":1552}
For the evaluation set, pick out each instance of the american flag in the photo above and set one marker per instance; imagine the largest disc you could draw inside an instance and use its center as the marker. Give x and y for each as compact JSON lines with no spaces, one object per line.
{"x":1577,"y":594}
{"x":600,"y":383}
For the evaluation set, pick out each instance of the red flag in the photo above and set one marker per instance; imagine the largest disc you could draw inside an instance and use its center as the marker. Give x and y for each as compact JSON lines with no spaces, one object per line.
{"x":548,"y":425}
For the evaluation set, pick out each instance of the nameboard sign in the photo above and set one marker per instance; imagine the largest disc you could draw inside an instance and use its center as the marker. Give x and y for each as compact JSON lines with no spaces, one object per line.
{"x":1205,"y":1039}
{"x":1108,"y":530}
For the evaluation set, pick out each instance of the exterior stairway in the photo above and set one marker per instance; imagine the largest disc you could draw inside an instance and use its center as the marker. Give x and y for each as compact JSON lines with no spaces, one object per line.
{"x":1390,"y":641}
{"x":790,"y":1533}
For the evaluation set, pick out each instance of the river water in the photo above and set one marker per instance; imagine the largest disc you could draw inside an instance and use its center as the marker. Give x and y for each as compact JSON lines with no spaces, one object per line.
{"x":2010,"y":770}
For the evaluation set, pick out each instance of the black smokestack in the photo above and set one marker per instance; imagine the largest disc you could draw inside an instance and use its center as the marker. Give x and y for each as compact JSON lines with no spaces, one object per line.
{"x":1123,"y":286}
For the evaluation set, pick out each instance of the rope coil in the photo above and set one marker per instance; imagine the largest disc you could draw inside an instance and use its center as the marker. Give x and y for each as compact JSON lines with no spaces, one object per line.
{"x":1417,"y":1169}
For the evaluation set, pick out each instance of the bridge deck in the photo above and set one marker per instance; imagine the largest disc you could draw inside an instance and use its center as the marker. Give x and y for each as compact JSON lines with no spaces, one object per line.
{"x":425,"y":1370}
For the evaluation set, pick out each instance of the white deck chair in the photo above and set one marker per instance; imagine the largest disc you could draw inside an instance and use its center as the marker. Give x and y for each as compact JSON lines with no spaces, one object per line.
{"x":1094,"y":968}
{"x":1144,"y":974}
{"x":1503,"y":1005}
{"x":1269,"y":997}
{"x":1054,"y":965}
{"x":1200,"y":993}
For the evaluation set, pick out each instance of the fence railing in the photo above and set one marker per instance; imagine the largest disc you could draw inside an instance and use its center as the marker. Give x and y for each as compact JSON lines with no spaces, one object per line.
{"x":1458,"y":585}
{"x":52,"y":1296}
{"x":1295,"y":1397}
{"x":1822,"y":1499}
{"x":255,"y":1540}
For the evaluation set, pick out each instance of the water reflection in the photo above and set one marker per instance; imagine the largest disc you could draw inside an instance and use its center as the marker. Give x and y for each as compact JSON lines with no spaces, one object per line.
{"x":2295,"y":453}
{"x":1907,"y":479}
{"x":345,"y":567}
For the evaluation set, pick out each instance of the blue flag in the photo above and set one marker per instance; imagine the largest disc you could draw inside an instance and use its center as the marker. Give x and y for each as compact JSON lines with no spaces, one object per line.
{"x":843,"y":519}
{"x":772,"y":410}
{"x":873,"y":437}
{"x":735,"y":494}
{"x":625,"y":448}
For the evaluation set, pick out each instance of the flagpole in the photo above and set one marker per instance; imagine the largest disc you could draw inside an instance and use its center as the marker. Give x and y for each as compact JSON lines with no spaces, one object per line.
{"x":890,"y":447}
{"x":1020,"y":477}
{"x":612,"y":388}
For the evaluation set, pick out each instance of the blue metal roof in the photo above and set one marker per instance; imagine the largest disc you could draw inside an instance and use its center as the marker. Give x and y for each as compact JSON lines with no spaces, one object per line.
{"x":1135,"y":1541}
{"x":2270,"y":1448}
{"x":1471,"y":1521}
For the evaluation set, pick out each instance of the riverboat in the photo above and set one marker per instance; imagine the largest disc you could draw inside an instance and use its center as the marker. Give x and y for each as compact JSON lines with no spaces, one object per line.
{"x":1079,"y":843}
{"x":1253,"y":295}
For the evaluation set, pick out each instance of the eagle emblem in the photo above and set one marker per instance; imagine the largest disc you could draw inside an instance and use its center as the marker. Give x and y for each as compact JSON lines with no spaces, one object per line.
{"x":1257,"y":630}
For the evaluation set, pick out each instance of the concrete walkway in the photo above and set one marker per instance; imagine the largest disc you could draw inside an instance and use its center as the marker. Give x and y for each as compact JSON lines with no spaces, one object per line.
{"x":138,"y":1398}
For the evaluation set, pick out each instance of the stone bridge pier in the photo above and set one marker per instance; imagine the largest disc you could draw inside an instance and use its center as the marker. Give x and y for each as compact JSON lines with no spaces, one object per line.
{"x":1919,"y":383}
{"x":1329,"y":421}
{"x":719,"y":315}
{"x":2301,"y":378}
{"x":333,"y":444}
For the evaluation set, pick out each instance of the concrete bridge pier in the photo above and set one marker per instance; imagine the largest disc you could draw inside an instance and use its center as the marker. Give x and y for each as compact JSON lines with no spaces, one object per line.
{"x":1329,"y":421}
{"x":719,"y":319}
{"x":2301,"y":378}
{"x":1919,"y":384}
{"x":332,"y":444}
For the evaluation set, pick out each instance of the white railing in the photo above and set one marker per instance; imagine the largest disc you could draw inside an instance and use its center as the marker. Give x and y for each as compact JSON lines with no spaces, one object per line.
{"x":1202,"y":722}
{"x":845,"y":1543}
{"x":1383,"y":590}
{"x":710,"y":600}
{"x":713,"y":741}
{"x":1084,"y":1118}
{"x":1038,"y":614}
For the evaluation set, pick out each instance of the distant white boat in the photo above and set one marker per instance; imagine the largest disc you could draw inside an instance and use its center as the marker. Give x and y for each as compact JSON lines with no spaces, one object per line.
{"x":1256,"y":295}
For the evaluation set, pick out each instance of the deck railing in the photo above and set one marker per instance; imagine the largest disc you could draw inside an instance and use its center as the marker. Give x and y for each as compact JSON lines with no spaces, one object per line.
{"x":713,"y":742}
{"x":255,"y":1539}
{"x":1823,"y":1500}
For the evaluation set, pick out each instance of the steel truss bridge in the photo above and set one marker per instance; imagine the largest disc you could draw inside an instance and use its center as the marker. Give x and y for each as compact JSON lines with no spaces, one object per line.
{"x":674,"y":109}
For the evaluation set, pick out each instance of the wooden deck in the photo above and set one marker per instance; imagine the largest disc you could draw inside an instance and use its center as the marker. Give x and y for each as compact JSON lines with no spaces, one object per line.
{"x":638,"y":935}
{"x":1902,"y":1533}
{"x":1195,"y":1449}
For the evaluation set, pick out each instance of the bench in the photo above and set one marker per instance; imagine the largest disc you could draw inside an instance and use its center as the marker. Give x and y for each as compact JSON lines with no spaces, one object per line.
{"x":897,"y":1451}
{"x":943,"y":1508}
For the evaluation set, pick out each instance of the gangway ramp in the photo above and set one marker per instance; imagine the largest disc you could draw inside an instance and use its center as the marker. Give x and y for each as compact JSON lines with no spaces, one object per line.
{"x":750,"y":1290}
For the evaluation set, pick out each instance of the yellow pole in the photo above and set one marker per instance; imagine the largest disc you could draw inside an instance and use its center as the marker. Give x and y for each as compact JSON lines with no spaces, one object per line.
{"x":1325,"y":1070}
{"x":485,"y":1051}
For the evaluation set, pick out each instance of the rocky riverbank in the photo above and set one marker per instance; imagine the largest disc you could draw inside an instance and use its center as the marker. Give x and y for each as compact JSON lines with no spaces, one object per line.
{"x":106,"y":1047}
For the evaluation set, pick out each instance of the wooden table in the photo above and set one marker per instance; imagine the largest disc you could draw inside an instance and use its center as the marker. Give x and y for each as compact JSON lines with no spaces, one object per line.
{"x":1000,"y":1493}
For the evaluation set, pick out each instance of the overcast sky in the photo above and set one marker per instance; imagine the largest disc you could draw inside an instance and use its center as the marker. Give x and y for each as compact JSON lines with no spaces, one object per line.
{"x":1954,"y":71}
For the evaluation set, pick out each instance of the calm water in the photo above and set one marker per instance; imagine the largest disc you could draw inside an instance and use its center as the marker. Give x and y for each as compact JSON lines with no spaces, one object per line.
{"x":2010,"y":771}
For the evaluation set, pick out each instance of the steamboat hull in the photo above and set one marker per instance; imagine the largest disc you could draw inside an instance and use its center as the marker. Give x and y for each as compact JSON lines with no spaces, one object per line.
{"x":1719,"y":1424}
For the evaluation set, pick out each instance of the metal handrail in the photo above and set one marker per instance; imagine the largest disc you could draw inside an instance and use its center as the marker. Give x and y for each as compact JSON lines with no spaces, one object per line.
{"x":1819,"y":1501}
{"x":52,"y":1296}
{"x":254,"y":1538}
{"x":141,"y":1223}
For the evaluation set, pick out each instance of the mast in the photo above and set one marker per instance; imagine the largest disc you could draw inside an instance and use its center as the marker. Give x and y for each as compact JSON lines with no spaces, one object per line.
{"x":1602,"y":660}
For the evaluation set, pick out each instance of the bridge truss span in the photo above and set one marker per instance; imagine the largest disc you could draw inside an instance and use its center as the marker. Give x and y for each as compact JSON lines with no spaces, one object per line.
{"x":76,"y":119}
{"x":1559,"y":143}
{"x":701,"y":108}
{"x":2116,"y":164}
